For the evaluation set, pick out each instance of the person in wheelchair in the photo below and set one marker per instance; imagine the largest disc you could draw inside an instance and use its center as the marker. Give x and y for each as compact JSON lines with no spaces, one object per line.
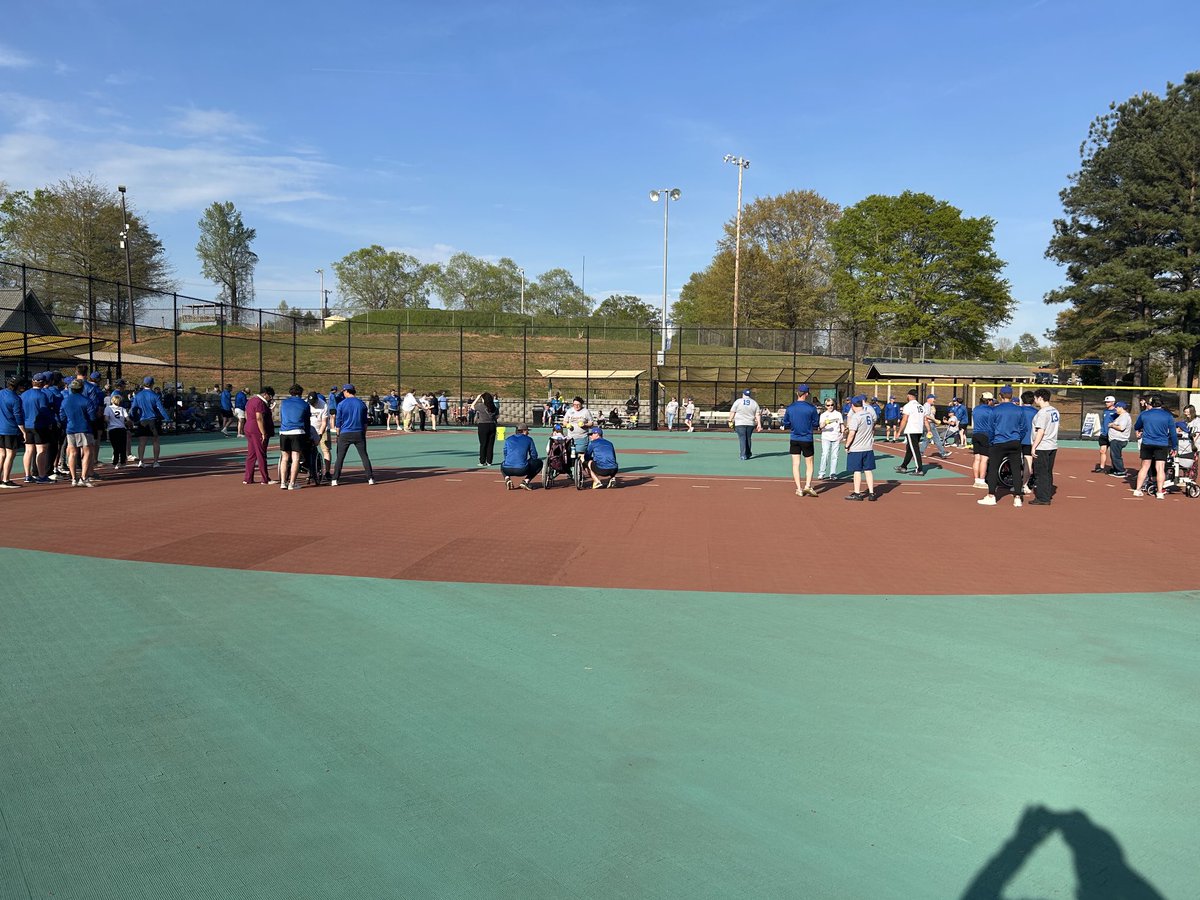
{"x":601,"y":460}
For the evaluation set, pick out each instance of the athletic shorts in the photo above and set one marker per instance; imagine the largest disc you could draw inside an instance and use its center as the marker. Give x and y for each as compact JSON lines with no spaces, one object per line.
{"x":1027,"y":449}
{"x":980,"y":444}
{"x":11,"y":442}
{"x":149,"y":428}
{"x":1155,"y":453}
{"x":292,"y":443}
{"x":43,"y":435}
{"x":801,"y":448}
{"x":82,"y":439}
{"x":1103,"y":440}
{"x":891,"y":422}
{"x":239,"y":414}
{"x":606,"y":473}
{"x":860,"y":460}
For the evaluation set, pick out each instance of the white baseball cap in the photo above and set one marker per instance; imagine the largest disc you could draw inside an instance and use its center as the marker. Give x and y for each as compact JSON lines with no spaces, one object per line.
{"x":1110,"y":399}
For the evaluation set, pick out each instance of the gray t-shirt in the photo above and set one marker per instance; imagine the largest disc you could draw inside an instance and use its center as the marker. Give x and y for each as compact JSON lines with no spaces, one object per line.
{"x":744,"y":410}
{"x":1046,"y":421}
{"x":862,"y":423}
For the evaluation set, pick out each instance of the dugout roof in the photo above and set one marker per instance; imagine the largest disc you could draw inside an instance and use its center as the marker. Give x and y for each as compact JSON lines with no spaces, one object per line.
{"x":13,"y":344}
{"x":989,"y":372}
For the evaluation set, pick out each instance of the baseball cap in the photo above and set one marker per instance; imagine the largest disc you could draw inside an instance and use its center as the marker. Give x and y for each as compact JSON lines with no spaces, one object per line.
{"x":558,"y":426}
{"x":95,"y":375}
{"x":148,"y":380}
{"x":1110,"y":399}
{"x":1121,"y":403}
{"x":348,"y":387}
{"x":746,"y":392}
{"x":931,"y":397}
{"x":802,"y":389}
{"x":986,"y":395}
{"x":956,"y":400}
{"x":596,"y":431}
{"x":859,"y":400}
{"x":1006,"y":390}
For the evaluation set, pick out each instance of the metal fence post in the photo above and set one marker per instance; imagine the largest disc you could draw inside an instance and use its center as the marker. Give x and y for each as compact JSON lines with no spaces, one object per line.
{"x":120,"y":306}
{"x":399,"y":367}
{"x":461,"y":398}
{"x":260,"y":356}
{"x":295,"y":376}
{"x":349,"y":352}
{"x":525,"y":374}
{"x":24,"y":322}
{"x":587,"y":363}
{"x":91,"y":302}
{"x":175,"y":334}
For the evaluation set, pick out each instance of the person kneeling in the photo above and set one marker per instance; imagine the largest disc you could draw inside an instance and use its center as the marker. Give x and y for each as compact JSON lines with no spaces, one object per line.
{"x":520,"y":459}
{"x":601,"y":459}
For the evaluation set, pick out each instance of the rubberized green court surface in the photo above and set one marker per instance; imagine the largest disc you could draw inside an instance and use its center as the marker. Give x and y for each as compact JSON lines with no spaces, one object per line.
{"x":183,"y":732}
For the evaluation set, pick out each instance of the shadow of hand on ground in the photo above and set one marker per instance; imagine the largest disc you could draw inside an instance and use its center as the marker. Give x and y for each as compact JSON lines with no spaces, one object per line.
{"x":1101,"y":872}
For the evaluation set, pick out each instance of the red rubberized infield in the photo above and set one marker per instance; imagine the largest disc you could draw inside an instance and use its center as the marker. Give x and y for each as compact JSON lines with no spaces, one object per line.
{"x":653,"y":532}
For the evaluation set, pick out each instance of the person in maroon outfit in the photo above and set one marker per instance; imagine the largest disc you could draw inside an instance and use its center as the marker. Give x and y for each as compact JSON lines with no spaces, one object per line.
{"x":260,"y":426}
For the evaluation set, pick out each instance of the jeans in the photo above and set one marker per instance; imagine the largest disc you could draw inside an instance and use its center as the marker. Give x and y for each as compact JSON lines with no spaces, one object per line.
{"x":829,"y":458}
{"x":1115,"y":448}
{"x":744,"y":432}
{"x":1043,"y":474}
{"x":937,"y":440}
{"x":670,"y":421}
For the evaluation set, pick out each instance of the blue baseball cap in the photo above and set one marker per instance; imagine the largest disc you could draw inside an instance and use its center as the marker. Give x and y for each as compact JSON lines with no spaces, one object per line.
{"x":348,"y":387}
{"x":802,"y":389}
{"x":746,"y":392}
{"x":148,"y":380}
{"x":596,"y":431}
{"x":1006,"y":390}
{"x":859,"y":400}
{"x":95,"y":375}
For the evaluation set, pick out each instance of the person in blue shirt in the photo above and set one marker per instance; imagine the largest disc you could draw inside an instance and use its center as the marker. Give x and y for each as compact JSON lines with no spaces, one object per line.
{"x":350,"y":420}
{"x":981,"y":437}
{"x":1106,"y":419}
{"x":443,"y":408}
{"x":239,"y":411}
{"x":877,"y":410}
{"x":151,"y":415}
{"x":293,"y":437}
{"x":964,"y":419}
{"x":804,"y":421}
{"x":1155,"y":428}
{"x":891,"y":420}
{"x":57,"y":452}
{"x":75,"y":415}
{"x":11,"y":417}
{"x":38,"y":429}
{"x":392,"y":402}
{"x":520,"y":459}
{"x":225,"y":405}
{"x":1008,"y":428}
{"x":601,"y":459}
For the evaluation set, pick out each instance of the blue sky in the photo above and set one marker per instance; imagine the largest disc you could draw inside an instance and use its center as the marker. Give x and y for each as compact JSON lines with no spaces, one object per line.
{"x":535,"y":130}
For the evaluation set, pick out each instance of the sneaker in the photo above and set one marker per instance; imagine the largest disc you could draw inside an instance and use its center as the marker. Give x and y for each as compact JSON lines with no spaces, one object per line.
{"x":799,"y":492}
{"x":989,"y":500}
{"x":29,"y":479}
{"x":612,"y":482}
{"x":283,"y":486}
{"x":41,"y":480}
{"x":370,"y":481}
{"x":902,"y":470}
{"x":508,"y":485}
{"x":855,"y":496}
{"x":1027,"y":490}
{"x":8,"y":484}
{"x":270,"y":482}
{"x":333,"y":483}
{"x":1036,"y":502}
{"x":1097,"y":470}
{"x":156,"y":464}
{"x":979,"y":483}
{"x":872,"y":496}
{"x":596,"y":485}
{"x":525,"y":485}
{"x":1016,"y":502}
{"x":75,"y":482}
{"x":139,"y":464}
{"x":1160,"y":496}
{"x":1116,"y":475}
{"x":1138,"y":494}
{"x":919,"y":473}
{"x":87,"y":482}
{"x":809,"y":492}
{"x":53,"y":477}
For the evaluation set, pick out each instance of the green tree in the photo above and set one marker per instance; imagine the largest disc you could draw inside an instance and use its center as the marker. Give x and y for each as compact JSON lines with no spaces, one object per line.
{"x":630,"y":308}
{"x":1029,"y":345}
{"x":555,"y":293}
{"x":786,"y":267}
{"x":912,"y":269}
{"x":74,"y":227}
{"x":1130,"y":236}
{"x":468,"y":282}
{"x":374,"y":278}
{"x":225,"y":255}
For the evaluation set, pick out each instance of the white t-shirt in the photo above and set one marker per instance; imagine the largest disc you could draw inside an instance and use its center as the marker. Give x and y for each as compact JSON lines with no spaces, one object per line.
{"x":116,"y":416}
{"x":690,"y":409}
{"x":409,"y":403}
{"x":1121,"y":427}
{"x":831,"y":425}
{"x":574,"y":421}
{"x":916,"y":417}
{"x":744,"y":410}
{"x":672,"y":407}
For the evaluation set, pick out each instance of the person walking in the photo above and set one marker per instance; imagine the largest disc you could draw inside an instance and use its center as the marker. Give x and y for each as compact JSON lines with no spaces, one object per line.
{"x":258,"y":426}
{"x":150,"y":415}
{"x":116,"y":422}
{"x":860,"y":448}
{"x":1155,"y":428}
{"x":981,"y":434}
{"x":1120,"y":430}
{"x":833,"y":427}
{"x":520,"y":459}
{"x":1045,"y":448}
{"x":350,"y":421}
{"x":689,"y":414}
{"x":225,"y":407}
{"x":912,"y":426}
{"x":240,"y":399}
{"x":486,"y":411}
{"x":1008,"y":425}
{"x":804,"y":421}
{"x":745,"y":418}
{"x":931,"y":429}
{"x":672,"y":412}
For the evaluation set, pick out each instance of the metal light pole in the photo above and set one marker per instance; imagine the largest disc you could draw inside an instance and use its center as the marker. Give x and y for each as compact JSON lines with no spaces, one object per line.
{"x":128,"y":266}
{"x":324,"y":311}
{"x":667,"y":197}
{"x":742,"y":165}
{"x":522,"y":271}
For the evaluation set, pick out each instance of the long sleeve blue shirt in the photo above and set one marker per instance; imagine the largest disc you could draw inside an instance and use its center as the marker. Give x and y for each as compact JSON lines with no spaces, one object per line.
{"x":519,"y":449}
{"x":982,"y":419}
{"x":351,"y":415}
{"x":149,"y":406}
{"x":1157,"y":427}
{"x":804,"y":420}
{"x":11,"y":414}
{"x":1008,"y":423}
{"x":76,"y":413}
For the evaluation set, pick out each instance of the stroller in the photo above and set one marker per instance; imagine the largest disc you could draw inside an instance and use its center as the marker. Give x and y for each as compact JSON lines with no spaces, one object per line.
{"x":558,"y":459}
{"x":1182,"y":470}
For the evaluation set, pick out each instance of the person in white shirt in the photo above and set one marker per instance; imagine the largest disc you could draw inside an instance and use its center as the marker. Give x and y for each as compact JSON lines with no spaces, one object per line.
{"x":746,"y":418}
{"x":407,"y":407}
{"x":576,"y":422}
{"x":116,"y":420}
{"x":912,"y":426}
{"x":689,"y":414}
{"x":1045,"y":448}
{"x":319,"y":461}
{"x":832,"y":430}
{"x":1120,"y":430}
{"x":672,"y":412}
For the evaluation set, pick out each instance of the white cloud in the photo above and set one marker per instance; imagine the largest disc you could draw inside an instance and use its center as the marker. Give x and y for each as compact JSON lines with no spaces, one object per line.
{"x":11,"y":59}
{"x":28,"y":112}
{"x":214,"y":123}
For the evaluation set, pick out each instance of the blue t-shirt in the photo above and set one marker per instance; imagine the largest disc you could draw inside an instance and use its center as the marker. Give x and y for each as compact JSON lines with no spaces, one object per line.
{"x":846,"y":408}
{"x":1157,"y":427}
{"x":226,"y":401}
{"x":982,"y":418}
{"x":76,"y":413}
{"x":1008,"y":423}
{"x":518,"y":451}
{"x":1028,"y":412}
{"x":293,"y":415}
{"x":1106,"y":419}
{"x":148,"y":406}
{"x":602,"y":452}
{"x":37,"y":409}
{"x":891,"y":410}
{"x":962,"y":414}
{"x":11,"y":414}
{"x":393,"y":402}
{"x":443,"y":402}
{"x":239,"y":402}
{"x":351,"y":414}
{"x":804,"y":420}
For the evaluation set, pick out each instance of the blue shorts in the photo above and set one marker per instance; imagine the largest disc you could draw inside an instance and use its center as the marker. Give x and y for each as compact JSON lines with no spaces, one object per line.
{"x":861,"y":461}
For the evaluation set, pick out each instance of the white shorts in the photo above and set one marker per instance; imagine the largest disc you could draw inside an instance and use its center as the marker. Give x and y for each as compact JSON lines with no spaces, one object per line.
{"x":80,"y":440}
{"x":239,"y":414}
